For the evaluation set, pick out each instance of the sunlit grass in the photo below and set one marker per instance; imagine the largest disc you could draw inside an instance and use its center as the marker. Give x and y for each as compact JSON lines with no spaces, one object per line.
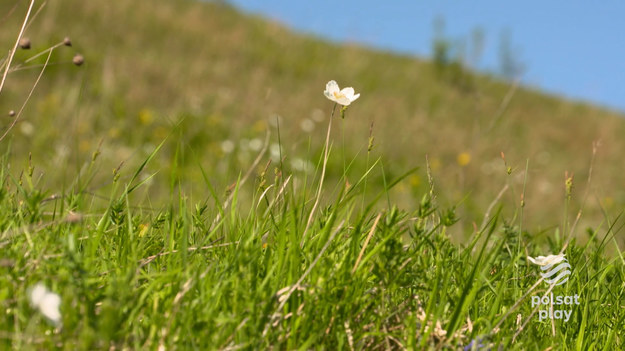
{"x":147,"y":204}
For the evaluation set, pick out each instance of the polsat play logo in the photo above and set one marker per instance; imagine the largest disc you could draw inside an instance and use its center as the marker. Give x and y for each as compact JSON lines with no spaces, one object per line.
{"x":555,"y":268}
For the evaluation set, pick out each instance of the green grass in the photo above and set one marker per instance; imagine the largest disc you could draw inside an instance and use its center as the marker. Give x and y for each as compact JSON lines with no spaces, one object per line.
{"x":212,"y":74}
{"x":208,"y":274}
{"x":188,"y":245}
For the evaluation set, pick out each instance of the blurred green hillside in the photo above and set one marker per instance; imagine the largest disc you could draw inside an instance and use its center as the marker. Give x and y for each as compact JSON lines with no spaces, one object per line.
{"x":200,"y":74}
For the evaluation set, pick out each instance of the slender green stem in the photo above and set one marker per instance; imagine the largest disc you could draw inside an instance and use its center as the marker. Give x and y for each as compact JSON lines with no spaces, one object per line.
{"x":323,"y":173}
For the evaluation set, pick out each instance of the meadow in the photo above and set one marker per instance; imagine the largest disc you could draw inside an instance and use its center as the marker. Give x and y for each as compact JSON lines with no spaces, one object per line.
{"x":173,"y":177}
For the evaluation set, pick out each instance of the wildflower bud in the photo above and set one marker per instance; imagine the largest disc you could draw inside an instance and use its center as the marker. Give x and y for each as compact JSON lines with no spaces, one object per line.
{"x":24,"y":43}
{"x":67,"y":41}
{"x":568,"y":184}
{"x":371,"y":138}
{"x":116,"y":172}
{"x":95,"y":155}
{"x":11,"y":113}
{"x":78,"y":60}
{"x":31,"y":169}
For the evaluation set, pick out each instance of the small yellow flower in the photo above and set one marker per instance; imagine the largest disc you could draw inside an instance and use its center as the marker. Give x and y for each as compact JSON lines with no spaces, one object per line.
{"x":146,"y":117}
{"x":415,"y":180}
{"x":143,"y":229}
{"x":114,"y":133}
{"x":260,"y":126}
{"x":464,"y":158}
{"x":342,"y":97}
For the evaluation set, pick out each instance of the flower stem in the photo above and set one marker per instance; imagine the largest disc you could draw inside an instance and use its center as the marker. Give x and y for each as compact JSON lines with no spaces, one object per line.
{"x":323,"y":173}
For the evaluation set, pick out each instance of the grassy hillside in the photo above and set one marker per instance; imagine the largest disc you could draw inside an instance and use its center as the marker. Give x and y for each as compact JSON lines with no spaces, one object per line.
{"x":157,"y":209}
{"x":217,"y":74}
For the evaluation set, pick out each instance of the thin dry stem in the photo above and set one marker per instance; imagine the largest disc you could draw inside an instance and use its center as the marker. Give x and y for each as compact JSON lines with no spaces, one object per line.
{"x":17,"y":42}
{"x":323,"y":173}
{"x":18,"y":114}
{"x":364,"y":247}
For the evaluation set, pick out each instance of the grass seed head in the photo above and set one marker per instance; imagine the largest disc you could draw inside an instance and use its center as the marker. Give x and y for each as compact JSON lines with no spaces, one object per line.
{"x":24,"y":43}
{"x":78,"y":60}
{"x":67,"y":41}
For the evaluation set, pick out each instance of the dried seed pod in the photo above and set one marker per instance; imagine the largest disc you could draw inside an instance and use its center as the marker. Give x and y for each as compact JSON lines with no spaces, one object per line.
{"x":67,"y":41}
{"x":24,"y":43}
{"x":11,"y":113}
{"x":78,"y":60}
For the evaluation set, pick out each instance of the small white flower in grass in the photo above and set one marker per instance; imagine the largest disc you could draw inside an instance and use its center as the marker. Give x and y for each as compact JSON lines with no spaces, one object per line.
{"x":342,"y":97}
{"x":317,"y":115}
{"x":546,"y":260}
{"x":307,"y":125}
{"x":275,"y":152}
{"x":27,"y":128}
{"x":46,"y":302}
{"x":255,"y":144}
{"x":302,"y":165}
{"x":227,"y":146}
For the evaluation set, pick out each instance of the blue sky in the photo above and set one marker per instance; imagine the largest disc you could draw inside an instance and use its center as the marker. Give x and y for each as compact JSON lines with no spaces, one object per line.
{"x":570,"y":48}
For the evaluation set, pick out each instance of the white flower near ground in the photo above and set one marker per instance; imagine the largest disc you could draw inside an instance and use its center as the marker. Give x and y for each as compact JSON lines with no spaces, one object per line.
{"x":275,"y":152}
{"x":255,"y":144}
{"x":307,"y":125}
{"x":275,"y":120}
{"x":546,"y":260}
{"x":27,"y":128}
{"x":227,"y":146}
{"x":317,"y":115}
{"x":342,"y":97}
{"x":46,"y":302}
{"x":302,"y":165}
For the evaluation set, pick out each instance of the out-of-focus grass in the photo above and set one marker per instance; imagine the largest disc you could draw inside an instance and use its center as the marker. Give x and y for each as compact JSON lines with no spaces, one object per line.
{"x":202,"y":73}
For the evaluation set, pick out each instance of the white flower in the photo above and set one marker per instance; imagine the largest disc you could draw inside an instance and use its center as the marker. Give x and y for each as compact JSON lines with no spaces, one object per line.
{"x":549,"y":260}
{"x":255,"y":144}
{"x":227,"y":146}
{"x":275,"y":151}
{"x":343,"y":97}
{"x":317,"y":115}
{"x":27,"y":128}
{"x":46,"y":302}
{"x":307,"y":125}
{"x":302,"y":165}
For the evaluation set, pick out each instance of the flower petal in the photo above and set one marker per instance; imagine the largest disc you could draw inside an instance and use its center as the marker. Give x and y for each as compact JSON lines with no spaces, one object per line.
{"x":546,"y":260}
{"x":49,"y":307}
{"x":343,"y":100}
{"x":37,"y":294}
{"x":355,"y":97}
{"x":331,"y":88}
{"x":349,"y":92}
